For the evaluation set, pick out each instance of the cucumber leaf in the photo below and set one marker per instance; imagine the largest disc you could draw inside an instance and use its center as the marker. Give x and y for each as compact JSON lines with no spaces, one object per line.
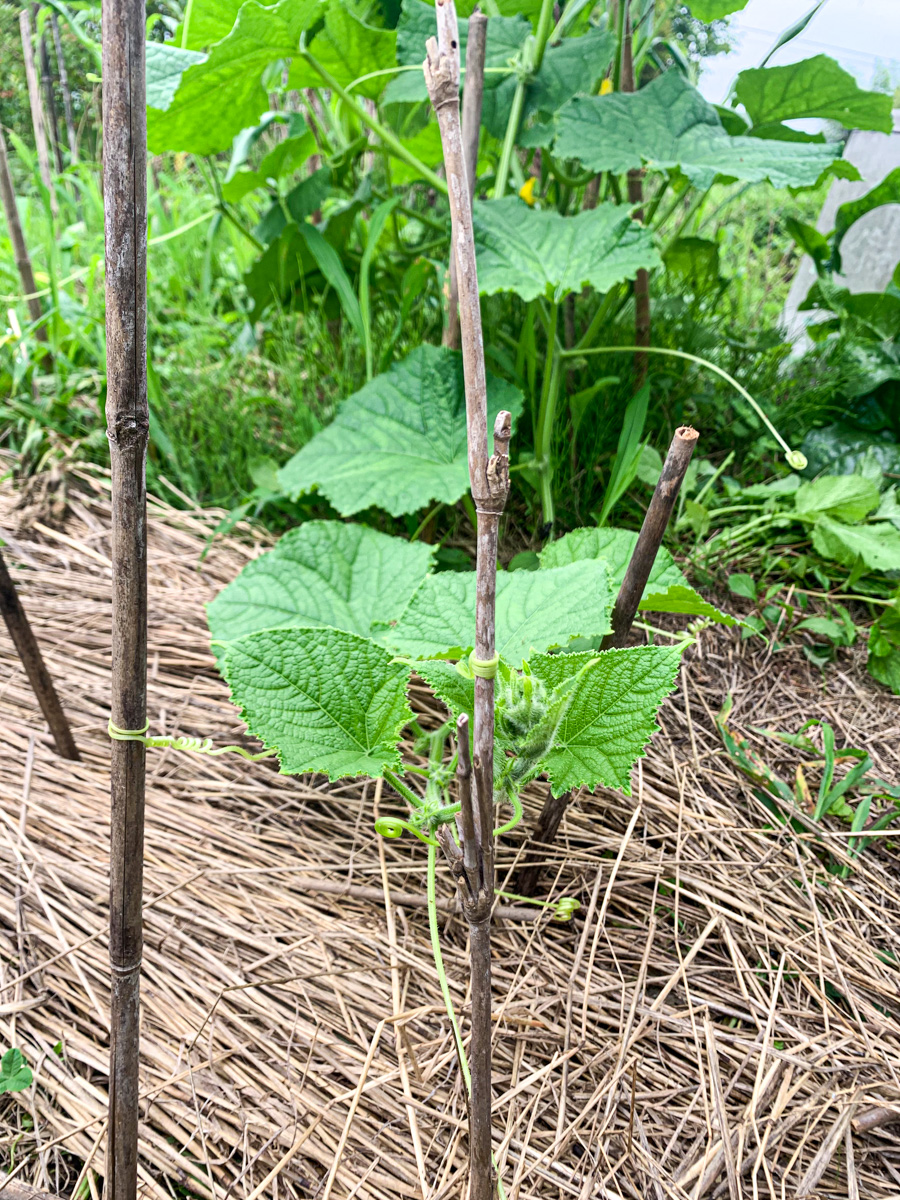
{"x":224,"y":94}
{"x":845,"y":497}
{"x":505,"y":36}
{"x":400,"y":442}
{"x":325,"y":700}
{"x":536,"y":610}
{"x":211,"y":20}
{"x":667,"y":589}
{"x":348,"y":49}
{"x":535,"y":252}
{"x":815,"y":87}
{"x":611,"y":715}
{"x":165,"y":66}
{"x":322,"y":573}
{"x":668,"y":124}
{"x":715,"y":10}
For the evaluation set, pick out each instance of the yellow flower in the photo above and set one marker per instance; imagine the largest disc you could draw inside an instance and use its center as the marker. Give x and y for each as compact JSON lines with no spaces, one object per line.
{"x":526,"y":191}
{"x":606,"y":87}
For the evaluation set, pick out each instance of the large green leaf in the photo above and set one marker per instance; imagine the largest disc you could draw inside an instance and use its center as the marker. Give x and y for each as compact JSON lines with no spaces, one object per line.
{"x":535,"y":252}
{"x":505,"y":36}
{"x":322,"y":573}
{"x":219,"y":97}
{"x":325,"y":700}
{"x":538,"y":610}
{"x":165,"y":66}
{"x":668,"y":124}
{"x":570,"y":66}
{"x":714,"y":10}
{"x":667,"y":589}
{"x":400,"y":441}
{"x":876,"y":545}
{"x":211,"y":20}
{"x":348,"y":48}
{"x":845,"y":497}
{"x":815,"y":87}
{"x":612,"y":713}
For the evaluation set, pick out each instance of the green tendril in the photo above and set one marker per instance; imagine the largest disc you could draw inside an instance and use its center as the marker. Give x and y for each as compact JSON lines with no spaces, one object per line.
{"x":564,"y":908}
{"x":394,"y":827}
{"x":193,"y":745}
{"x":514,"y":819}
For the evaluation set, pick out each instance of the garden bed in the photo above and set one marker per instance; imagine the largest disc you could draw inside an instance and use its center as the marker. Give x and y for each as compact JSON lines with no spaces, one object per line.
{"x":719,"y":1019}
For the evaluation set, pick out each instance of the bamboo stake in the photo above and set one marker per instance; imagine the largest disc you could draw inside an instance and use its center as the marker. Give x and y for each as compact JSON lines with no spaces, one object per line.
{"x":125,"y":203}
{"x":64,"y":88}
{"x":624,"y":611}
{"x":37,"y":113}
{"x":636,"y":197}
{"x":47,"y":80}
{"x":32,"y":660}
{"x":473,"y":96}
{"x":489,"y":480}
{"x":20,"y":249}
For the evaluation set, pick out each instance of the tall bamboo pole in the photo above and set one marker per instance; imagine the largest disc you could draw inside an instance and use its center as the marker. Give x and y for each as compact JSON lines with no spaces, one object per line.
{"x":37,"y":112}
{"x":64,"y":88}
{"x":127,"y":415}
{"x":489,"y":480}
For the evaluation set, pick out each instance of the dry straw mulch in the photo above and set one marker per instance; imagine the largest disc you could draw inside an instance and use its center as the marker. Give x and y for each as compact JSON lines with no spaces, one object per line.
{"x":718,"y":1020}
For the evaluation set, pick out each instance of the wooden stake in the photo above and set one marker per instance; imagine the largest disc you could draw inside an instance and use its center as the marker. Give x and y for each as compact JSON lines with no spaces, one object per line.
{"x":127,"y":416}
{"x":64,"y":88}
{"x":20,"y":250}
{"x":37,"y":112}
{"x":32,"y":660}
{"x":473,"y":96}
{"x":624,"y":611}
{"x":650,"y":538}
{"x":489,"y":479}
{"x":49,"y":97}
{"x":636,"y":197}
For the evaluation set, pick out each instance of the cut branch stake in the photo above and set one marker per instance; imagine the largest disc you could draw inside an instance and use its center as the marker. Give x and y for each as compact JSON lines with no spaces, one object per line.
{"x":636,"y":197}
{"x":38,"y":676}
{"x":37,"y":112}
{"x":489,"y":479}
{"x":650,"y":538}
{"x":125,"y":204}
{"x":20,"y":250}
{"x":473,"y":95}
{"x":64,"y":88}
{"x":624,"y":611}
{"x":50,"y":99}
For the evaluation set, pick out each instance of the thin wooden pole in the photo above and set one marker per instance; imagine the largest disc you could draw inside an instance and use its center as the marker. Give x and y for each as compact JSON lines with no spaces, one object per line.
{"x":489,"y":479}
{"x":650,"y":538}
{"x":49,"y":97}
{"x":473,"y":97}
{"x":32,"y":660}
{"x":64,"y":88}
{"x":12,"y":1189}
{"x":128,"y":421}
{"x":636,"y":198}
{"x":637,"y":573}
{"x":20,"y":249}
{"x":37,"y":112}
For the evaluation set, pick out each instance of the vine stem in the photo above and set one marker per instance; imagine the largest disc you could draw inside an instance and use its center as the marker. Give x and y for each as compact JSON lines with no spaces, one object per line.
{"x":435,"y":933}
{"x":795,"y":458}
{"x":489,"y":481}
{"x":389,"y":139}
{"x":544,"y":29}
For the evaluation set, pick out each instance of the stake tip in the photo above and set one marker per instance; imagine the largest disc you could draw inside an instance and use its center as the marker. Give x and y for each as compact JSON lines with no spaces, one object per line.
{"x":687,"y":433}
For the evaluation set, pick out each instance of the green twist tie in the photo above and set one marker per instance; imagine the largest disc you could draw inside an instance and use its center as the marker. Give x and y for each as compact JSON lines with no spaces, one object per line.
{"x":484,"y":668}
{"x":193,"y":745}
